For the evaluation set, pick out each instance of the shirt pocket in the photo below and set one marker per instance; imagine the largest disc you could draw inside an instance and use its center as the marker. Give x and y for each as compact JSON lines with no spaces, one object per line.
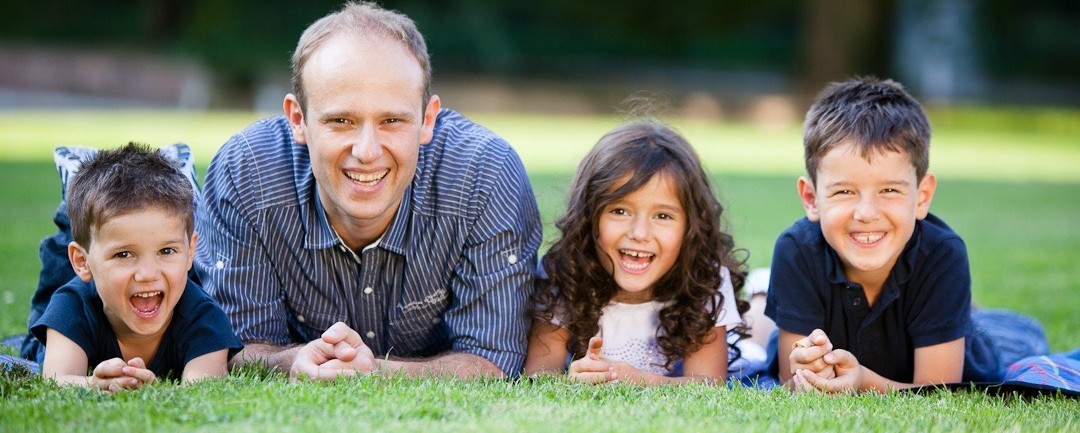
{"x":417,"y":327}
{"x":312,"y":316}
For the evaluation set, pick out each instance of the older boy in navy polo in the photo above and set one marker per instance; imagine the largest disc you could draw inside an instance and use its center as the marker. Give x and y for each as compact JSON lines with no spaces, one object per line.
{"x":869,"y":290}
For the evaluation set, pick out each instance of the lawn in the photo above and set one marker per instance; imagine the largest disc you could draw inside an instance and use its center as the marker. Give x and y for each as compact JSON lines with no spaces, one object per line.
{"x":1009,"y":183}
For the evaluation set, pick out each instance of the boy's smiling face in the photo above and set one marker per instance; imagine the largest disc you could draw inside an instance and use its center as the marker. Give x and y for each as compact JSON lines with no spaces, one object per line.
{"x":867,"y":207}
{"x":139,"y":263}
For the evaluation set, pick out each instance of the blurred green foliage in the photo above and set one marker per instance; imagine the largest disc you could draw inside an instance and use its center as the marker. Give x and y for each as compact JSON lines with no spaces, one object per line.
{"x":1032,"y":39}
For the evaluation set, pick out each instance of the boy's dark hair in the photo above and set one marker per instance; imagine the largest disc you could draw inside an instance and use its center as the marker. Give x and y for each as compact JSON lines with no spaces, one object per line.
{"x":875,"y":115}
{"x":117,"y":182}
{"x":578,"y":287}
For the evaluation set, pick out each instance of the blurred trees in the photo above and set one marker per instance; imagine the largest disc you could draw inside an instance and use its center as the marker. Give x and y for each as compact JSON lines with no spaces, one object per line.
{"x":811,"y":41}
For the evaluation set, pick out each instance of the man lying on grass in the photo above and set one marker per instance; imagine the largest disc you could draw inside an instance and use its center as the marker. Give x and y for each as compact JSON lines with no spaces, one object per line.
{"x":366,"y":229}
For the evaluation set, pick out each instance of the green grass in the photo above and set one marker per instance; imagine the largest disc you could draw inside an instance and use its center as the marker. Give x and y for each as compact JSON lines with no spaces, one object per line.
{"x":258,"y":403}
{"x":1009,"y":183}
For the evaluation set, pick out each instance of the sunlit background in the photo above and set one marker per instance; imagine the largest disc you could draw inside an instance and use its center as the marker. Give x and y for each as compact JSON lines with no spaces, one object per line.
{"x":754,"y":60}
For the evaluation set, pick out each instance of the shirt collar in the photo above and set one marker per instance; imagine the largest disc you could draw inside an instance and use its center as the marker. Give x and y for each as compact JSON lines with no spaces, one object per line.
{"x":394,"y":239}
{"x":322,"y":235}
{"x":313,"y":216}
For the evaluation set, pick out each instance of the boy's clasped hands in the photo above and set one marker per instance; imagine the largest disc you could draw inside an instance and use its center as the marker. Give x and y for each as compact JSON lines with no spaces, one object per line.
{"x":816,"y":365}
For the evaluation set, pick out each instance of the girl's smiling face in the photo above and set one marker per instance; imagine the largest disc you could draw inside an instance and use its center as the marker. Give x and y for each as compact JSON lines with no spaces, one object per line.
{"x":639,"y":237}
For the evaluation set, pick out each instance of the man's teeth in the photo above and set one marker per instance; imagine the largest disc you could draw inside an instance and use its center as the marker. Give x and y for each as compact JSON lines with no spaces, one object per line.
{"x":367,"y":178}
{"x":868,"y":238}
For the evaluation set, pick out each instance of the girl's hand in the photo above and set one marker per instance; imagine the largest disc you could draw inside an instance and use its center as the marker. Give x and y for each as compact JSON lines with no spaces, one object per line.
{"x":593,"y":368}
{"x":808,"y":354}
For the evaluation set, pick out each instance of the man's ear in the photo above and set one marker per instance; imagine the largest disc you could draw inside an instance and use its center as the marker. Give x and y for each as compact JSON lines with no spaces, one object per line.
{"x":77,"y":256}
{"x":431,"y":113}
{"x":295,"y":114}
{"x":808,"y":196}
{"x":927,"y":188}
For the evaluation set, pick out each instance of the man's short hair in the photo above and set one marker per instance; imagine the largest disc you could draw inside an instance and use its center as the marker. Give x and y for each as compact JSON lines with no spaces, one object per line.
{"x":360,"y":18}
{"x":876,"y":115}
{"x":129,"y":179}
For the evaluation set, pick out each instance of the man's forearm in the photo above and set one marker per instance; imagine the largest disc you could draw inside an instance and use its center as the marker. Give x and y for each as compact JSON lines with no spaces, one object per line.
{"x":272,"y":356}
{"x":451,"y":364}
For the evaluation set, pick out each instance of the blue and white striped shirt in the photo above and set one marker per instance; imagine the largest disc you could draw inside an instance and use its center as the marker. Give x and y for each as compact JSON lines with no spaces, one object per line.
{"x":453,"y":272}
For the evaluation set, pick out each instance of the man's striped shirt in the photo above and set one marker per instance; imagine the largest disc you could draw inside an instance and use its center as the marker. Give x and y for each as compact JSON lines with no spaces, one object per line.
{"x":453,"y":271}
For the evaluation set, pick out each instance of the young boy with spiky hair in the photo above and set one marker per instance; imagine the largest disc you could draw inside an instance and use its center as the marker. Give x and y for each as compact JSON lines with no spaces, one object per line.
{"x":870,"y":291}
{"x":131,"y":314}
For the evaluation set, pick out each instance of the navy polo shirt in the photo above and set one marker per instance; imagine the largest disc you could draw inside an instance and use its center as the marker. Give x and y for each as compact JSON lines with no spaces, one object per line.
{"x":198,"y":327}
{"x":926,"y":299}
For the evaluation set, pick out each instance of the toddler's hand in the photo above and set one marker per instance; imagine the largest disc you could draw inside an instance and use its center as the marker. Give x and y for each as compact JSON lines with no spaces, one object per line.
{"x":136,"y":368}
{"x":114,"y":375}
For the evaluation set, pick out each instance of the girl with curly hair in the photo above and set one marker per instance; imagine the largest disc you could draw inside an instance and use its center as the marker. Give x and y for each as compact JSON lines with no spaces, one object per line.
{"x":641,"y":285}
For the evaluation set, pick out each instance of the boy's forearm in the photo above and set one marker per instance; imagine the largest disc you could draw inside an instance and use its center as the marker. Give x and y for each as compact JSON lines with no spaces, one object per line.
{"x":877,"y":383}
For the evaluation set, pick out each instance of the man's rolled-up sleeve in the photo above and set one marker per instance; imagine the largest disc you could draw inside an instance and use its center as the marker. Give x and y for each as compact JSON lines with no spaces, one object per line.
{"x":230,"y":261}
{"x":494,"y":280}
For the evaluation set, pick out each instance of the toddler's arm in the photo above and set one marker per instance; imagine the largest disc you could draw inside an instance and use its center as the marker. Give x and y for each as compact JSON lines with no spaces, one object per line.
{"x":210,"y":365}
{"x":66,"y":363}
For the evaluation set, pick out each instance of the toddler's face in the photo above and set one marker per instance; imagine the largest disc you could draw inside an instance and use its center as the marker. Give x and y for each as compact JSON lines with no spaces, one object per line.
{"x":867,"y":208}
{"x":640,"y":236}
{"x":139,"y":262}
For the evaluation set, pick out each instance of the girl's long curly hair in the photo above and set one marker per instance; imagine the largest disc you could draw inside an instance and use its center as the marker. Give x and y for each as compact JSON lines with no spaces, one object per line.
{"x":577,"y":287}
